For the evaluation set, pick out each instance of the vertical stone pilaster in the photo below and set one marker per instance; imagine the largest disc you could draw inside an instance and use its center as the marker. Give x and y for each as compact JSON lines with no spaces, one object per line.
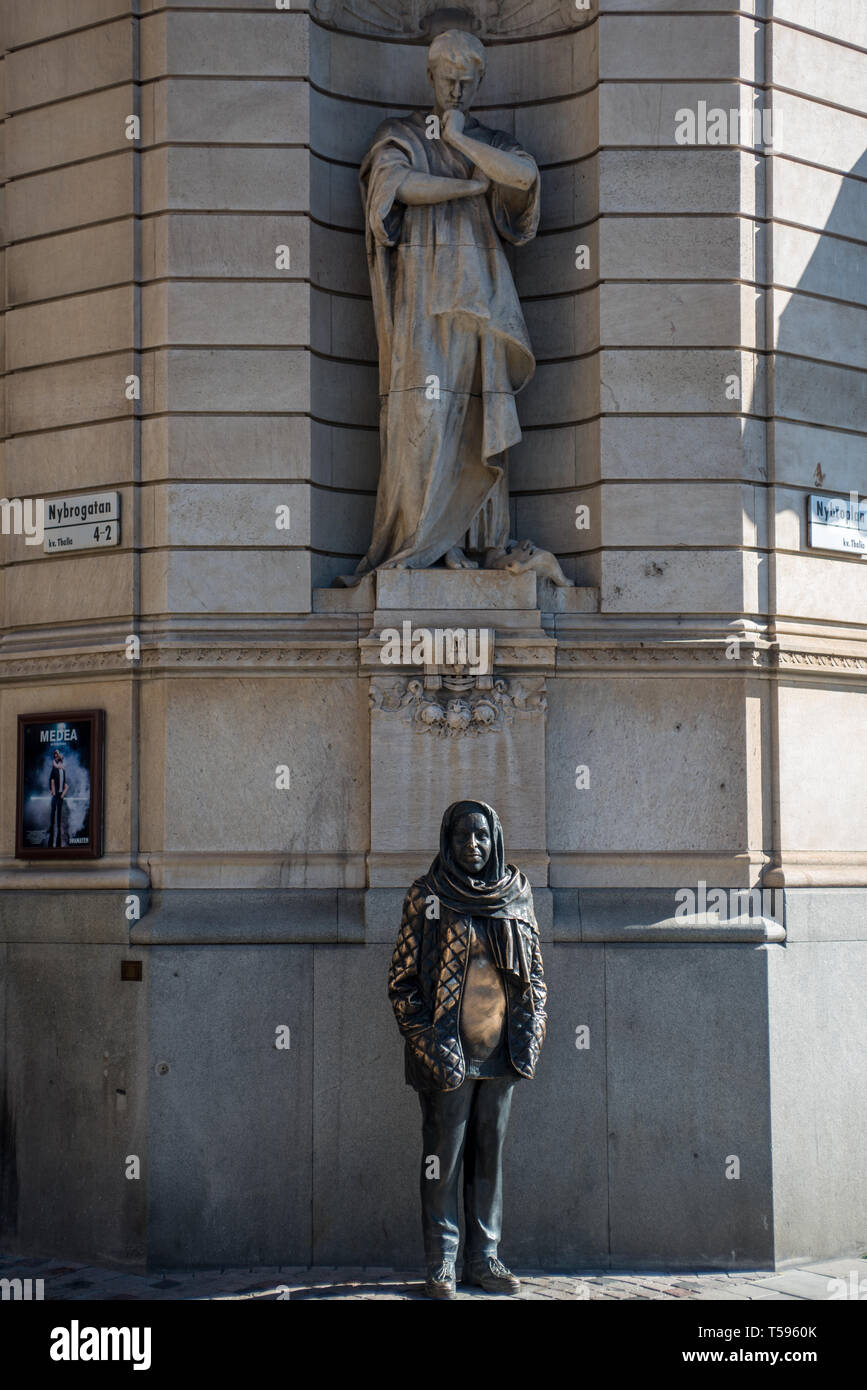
{"x":227,"y":312}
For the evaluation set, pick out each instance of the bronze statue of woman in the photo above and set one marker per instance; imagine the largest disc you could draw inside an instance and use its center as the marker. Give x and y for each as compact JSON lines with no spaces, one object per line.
{"x":468,"y":992}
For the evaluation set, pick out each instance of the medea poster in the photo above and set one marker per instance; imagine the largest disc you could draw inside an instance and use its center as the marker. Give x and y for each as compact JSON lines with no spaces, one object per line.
{"x":60,"y":785}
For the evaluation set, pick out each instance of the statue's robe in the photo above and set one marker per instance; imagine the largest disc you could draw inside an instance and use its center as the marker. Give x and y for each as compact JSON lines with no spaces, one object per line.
{"x":446,"y":308}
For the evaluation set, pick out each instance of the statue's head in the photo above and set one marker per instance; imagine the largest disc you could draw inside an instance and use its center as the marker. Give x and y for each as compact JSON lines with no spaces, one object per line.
{"x":470,"y":834}
{"x":455,"y":68}
{"x":471,"y":866}
{"x":471,"y":842}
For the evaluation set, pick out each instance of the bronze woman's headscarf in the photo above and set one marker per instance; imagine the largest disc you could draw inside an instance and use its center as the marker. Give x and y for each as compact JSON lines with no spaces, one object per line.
{"x":501,"y":894}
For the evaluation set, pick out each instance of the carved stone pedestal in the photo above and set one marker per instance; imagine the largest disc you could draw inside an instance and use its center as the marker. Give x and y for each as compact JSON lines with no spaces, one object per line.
{"x":443,"y":726}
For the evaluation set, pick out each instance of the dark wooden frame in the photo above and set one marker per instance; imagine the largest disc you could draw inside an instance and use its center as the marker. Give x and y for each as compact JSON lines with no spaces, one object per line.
{"x":97,"y":767}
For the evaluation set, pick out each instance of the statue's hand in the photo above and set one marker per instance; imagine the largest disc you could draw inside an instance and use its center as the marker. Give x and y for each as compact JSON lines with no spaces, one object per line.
{"x":479,"y":176}
{"x":452,"y":124}
{"x":479,"y":183}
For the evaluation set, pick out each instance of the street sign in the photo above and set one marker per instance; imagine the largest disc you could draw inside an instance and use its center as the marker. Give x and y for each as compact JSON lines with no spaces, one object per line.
{"x":86,"y":522}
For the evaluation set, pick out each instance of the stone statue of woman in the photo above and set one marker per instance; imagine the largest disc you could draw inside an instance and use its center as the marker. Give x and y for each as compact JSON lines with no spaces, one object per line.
{"x":441,"y":193}
{"x":468,"y":992}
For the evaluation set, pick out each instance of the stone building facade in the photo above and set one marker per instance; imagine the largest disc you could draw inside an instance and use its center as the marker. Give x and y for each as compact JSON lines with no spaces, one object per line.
{"x":692,"y":713}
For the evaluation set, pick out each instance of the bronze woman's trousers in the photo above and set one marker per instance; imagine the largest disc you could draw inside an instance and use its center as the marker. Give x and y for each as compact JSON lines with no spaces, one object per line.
{"x":469,"y":1125}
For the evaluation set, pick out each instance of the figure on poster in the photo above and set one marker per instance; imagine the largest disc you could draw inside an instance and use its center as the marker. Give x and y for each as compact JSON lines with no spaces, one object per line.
{"x":467,"y":987}
{"x":58,"y":786}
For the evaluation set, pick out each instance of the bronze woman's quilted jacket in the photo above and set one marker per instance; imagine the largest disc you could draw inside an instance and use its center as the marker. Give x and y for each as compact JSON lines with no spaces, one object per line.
{"x":425,"y":985}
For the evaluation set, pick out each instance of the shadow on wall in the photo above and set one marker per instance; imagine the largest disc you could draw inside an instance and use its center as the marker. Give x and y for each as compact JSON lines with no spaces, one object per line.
{"x":819,"y":401}
{"x":813,"y":328}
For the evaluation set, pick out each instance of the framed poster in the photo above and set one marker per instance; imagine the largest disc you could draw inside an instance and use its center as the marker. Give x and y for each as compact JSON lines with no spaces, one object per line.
{"x":60,"y":767}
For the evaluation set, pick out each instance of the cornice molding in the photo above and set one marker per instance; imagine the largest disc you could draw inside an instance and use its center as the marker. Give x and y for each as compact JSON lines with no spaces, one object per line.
{"x":277,"y":658}
{"x":824,"y":661}
{"x":712,"y":658}
{"x":344,"y":654}
{"x":667,"y":653}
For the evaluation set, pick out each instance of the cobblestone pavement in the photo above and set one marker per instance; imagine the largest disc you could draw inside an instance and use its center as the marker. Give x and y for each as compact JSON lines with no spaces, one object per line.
{"x":64,"y":1280}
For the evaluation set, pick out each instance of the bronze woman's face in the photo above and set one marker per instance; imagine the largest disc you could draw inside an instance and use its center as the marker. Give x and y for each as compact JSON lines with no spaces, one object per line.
{"x":471,"y":842}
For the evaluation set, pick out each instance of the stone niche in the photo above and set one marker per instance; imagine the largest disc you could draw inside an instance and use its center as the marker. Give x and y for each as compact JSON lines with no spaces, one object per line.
{"x":367,"y":62}
{"x":423,"y":19}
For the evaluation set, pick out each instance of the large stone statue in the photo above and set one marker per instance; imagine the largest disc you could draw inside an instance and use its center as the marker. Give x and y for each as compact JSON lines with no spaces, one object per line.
{"x":440,"y":190}
{"x":468,"y":993}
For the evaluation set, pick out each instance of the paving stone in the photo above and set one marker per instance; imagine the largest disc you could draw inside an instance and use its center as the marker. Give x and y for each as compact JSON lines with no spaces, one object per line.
{"x":800,"y":1283}
{"x":720,"y":1296}
{"x":77,"y":1283}
{"x":838,"y":1269}
{"x":757,"y":1295}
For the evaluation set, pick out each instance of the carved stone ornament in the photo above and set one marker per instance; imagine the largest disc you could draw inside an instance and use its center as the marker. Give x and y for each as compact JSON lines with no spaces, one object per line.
{"x":422,"y":19}
{"x":460,"y":706}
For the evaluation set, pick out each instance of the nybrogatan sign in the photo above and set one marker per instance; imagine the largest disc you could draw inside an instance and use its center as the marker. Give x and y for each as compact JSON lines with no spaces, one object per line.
{"x":81,"y":523}
{"x":838,"y":523}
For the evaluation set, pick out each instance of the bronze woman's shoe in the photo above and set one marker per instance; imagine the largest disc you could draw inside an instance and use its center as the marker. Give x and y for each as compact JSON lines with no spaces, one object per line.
{"x":440,"y":1281}
{"x":492,"y":1276}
